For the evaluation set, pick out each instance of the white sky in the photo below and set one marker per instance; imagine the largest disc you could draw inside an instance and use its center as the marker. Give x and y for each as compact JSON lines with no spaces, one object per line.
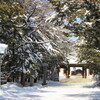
{"x":2,"y":47}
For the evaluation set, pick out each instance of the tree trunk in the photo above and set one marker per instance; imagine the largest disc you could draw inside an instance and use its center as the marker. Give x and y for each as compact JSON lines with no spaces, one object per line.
{"x":44,"y":75}
{"x":31,"y":81}
{"x":52,"y":74}
{"x":22,"y":79}
{"x":57,"y":75}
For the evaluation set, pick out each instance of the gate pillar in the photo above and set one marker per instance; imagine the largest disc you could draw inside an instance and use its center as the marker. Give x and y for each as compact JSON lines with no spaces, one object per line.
{"x":84,"y":73}
{"x":68,"y":72}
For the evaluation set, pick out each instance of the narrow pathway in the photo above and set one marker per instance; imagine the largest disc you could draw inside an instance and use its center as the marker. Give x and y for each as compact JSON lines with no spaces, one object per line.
{"x":76,"y":79}
{"x":53,"y":91}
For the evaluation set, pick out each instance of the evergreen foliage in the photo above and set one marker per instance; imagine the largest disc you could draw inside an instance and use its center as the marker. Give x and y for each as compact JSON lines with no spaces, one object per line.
{"x":25,"y":28}
{"x":11,"y":17}
{"x":83,"y":19}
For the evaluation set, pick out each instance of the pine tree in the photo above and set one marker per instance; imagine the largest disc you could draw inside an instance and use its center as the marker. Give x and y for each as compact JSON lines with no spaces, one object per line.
{"x":82,"y":17}
{"x":11,"y":24}
{"x":25,"y":30}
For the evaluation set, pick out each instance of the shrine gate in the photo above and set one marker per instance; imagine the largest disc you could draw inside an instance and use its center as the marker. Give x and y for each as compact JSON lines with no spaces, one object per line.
{"x":85,"y":71}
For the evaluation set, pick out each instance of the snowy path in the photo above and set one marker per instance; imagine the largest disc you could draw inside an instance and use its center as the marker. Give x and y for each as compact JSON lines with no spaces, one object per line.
{"x":54,"y":91}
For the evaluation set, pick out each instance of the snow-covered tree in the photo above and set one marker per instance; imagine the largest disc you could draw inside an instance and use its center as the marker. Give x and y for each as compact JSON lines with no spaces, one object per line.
{"x":30,"y":36}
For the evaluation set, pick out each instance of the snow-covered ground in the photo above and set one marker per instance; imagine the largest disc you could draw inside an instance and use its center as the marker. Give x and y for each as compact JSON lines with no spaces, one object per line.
{"x":53,"y":91}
